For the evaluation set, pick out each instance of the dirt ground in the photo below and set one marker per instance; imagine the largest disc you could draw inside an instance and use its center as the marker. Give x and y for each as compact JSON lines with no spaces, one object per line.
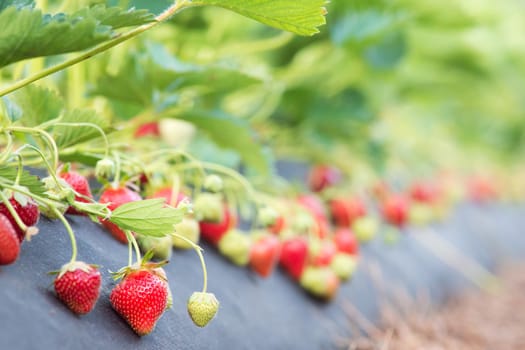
{"x":477,"y":320}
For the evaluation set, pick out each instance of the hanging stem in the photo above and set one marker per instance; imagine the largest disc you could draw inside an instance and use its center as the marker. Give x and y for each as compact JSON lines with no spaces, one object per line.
{"x":176,"y":7}
{"x":13,"y":212}
{"x":116,"y":179}
{"x":9,"y":147}
{"x":69,"y":231}
{"x":130,"y":252}
{"x":133,"y":241}
{"x":50,"y":170}
{"x":49,"y":140}
{"x":20,"y":169}
{"x":198,"y":250}
{"x":94,"y":126}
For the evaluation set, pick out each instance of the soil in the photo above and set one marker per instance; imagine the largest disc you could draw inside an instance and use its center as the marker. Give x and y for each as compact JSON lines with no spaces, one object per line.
{"x":490,"y":319}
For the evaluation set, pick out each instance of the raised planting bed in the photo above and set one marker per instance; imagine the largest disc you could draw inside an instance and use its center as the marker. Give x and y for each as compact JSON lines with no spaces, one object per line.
{"x":255,"y":313}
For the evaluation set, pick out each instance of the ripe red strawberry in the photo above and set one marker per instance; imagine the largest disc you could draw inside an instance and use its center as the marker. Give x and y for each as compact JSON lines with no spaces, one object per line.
{"x":78,"y":286}
{"x":80,"y":184}
{"x":294,"y":255}
{"x":395,"y":210}
{"x":424,"y":192}
{"x":264,"y":254}
{"x":116,"y":197}
{"x":314,"y":205}
{"x":345,"y":211}
{"x":321,"y":228}
{"x":141,"y":299}
{"x":26,"y":208}
{"x":481,"y":189}
{"x":167,"y":194}
{"x":323,"y":176}
{"x":322,"y":253}
{"x":278,"y":225}
{"x":380,"y":190}
{"x":148,"y":129}
{"x":9,"y":243}
{"x":346,"y":241}
{"x":212,"y":232}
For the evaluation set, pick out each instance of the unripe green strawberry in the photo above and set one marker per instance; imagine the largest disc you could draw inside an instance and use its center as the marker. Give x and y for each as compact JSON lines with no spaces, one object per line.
{"x":303,"y":222}
{"x":268,"y":216}
{"x":344,"y":265}
{"x":391,"y":235}
{"x":176,"y":132}
{"x":160,"y":246}
{"x":236,"y":245}
{"x":321,"y":282}
{"x":50,"y":213}
{"x":189,"y":229}
{"x":213,"y":183}
{"x":202,"y":308}
{"x":365,"y":228}
{"x":208,"y":207}
{"x":162,"y":273}
{"x":420,"y":214}
{"x":105,"y":169}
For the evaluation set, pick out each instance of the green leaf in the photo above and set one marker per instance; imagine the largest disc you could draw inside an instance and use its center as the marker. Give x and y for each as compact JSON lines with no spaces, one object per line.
{"x":232,"y":133}
{"x":362,"y":25}
{"x":115,"y":17}
{"x":27,"y":33}
{"x":27,"y":180}
{"x":300,"y":17}
{"x":148,"y":217}
{"x":37,"y":105}
{"x":68,"y":135}
{"x":16,"y":3}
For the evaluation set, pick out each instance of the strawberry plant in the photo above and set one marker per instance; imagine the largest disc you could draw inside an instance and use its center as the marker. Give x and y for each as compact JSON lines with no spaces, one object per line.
{"x":57,"y":127}
{"x":163,"y":121}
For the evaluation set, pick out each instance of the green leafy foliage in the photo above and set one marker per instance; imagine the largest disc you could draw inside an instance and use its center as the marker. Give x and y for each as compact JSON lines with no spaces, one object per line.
{"x":147,"y":217}
{"x":300,"y":17}
{"x":69,"y":135}
{"x":37,"y":105}
{"x":231,"y":133}
{"x":27,"y":33}
{"x":31,"y":182}
{"x":157,"y":77}
{"x":16,"y":3}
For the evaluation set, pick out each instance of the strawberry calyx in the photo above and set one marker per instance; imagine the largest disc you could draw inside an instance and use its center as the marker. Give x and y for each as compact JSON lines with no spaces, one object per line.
{"x":144,"y":264}
{"x":74,"y":266}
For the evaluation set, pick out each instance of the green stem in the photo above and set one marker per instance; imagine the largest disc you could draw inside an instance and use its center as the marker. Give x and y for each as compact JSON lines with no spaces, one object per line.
{"x":198,"y":250}
{"x":130,"y":253}
{"x":49,"y":140}
{"x":94,"y":126}
{"x":69,"y":231}
{"x":50,"y":203}
{"x":116,"y":179}
{"x":133,"y":241}
{"x":225,"y":171}
{"x":20,"y":169}
{"x":13,"y":212}
{"x":50,"y":170}
{"x":8,"y":149}
{"x":176,"y":7}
